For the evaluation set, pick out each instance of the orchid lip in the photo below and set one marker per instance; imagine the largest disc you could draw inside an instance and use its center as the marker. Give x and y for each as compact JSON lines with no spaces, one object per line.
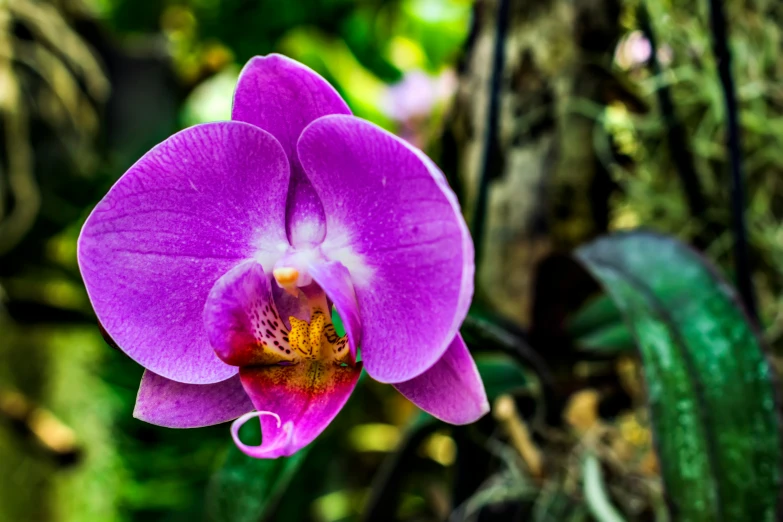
{"x":242,"y":300}
{"x":300,"y":370}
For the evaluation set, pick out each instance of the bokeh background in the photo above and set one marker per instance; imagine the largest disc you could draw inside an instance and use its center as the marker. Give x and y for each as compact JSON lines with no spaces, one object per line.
{"x":610,"y":115}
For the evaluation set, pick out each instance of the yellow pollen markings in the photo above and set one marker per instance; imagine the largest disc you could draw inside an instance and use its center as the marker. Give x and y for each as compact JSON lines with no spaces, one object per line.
{"x":318,"y":339}
{"x":299,"y":336}
{"x":317,"y":325}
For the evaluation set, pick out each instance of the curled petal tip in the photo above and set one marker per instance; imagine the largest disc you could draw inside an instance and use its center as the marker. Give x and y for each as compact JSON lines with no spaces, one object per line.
{"x":277,"y":444}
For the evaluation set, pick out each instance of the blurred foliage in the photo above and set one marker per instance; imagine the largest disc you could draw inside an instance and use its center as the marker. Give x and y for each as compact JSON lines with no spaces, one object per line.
{"x":579,"y":450}
{"x":647,"y":174}
{"x":48,"y":76}
{"x":245,"y":490}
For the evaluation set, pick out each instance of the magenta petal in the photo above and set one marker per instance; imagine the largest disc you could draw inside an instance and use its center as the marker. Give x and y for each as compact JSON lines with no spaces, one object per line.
{"x":176,"y":405}
{"x":395,"y":225}
{"x":335,"y":280}
{"x":295,"y":402}
{"x":188,"y":211}
{"x":283,"y":96}
{"x":466,"y":296}
{"x":452,"y":389}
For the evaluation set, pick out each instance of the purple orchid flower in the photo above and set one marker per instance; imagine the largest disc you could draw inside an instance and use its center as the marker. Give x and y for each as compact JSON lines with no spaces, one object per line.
{"x":215,"y":261}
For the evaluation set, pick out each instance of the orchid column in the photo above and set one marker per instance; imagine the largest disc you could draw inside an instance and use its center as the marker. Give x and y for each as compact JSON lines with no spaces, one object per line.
{"x":215,"y":262}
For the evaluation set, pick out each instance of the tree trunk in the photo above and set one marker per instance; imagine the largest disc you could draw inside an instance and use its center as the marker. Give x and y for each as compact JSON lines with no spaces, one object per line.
{"x":546,"y":191}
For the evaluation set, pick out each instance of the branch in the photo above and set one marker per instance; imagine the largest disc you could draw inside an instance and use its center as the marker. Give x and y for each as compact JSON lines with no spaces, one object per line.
{"x":676,"y":136}
{"x":490,"y":147}
{"x":723,"y":59}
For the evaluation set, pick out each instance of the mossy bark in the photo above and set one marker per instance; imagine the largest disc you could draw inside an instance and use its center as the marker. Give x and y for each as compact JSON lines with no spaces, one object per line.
{"x":548,"y":190}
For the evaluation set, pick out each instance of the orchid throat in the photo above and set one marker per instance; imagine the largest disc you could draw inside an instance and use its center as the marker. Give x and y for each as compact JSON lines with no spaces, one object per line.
{"x":315,"y":339}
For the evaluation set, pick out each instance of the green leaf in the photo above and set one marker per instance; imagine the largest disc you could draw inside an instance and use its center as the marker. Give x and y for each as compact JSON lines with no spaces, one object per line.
{"x":609,"y":339}
{"x":244,"y":488}
{"x":500,"y":374}
{"x":596,"y":314}
{"x":709,"y":383}
{"x":598,"y":327}
{"x":488,"y":332}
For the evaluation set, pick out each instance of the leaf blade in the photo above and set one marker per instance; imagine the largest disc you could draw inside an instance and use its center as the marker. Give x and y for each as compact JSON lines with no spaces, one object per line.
{"x":708,"y":381}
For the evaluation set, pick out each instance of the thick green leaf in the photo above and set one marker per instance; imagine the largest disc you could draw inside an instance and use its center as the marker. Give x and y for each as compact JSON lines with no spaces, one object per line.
{"x":244,"y":488}
{"x":709,"y":383}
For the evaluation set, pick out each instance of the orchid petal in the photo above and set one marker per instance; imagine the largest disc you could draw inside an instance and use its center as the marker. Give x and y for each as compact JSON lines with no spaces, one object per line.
{"x":242,"y":321}
{"x":468,"y":252}
{"x":187,"y":212}
{"x":172,"y":404}
{"x":452,"y":389}
{"x":395,"y":225}
{"x":302,"y":399}
{"x":282,"y":97}
{"x":335,"y":280}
